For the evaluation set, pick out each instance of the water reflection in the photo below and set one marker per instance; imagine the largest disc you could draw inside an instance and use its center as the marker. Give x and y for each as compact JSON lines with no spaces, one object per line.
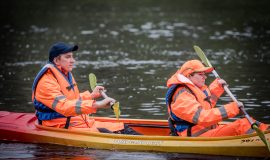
{"x":47,"y":151}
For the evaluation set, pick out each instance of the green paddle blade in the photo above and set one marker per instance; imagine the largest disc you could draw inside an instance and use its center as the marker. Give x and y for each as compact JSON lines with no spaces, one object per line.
{"x":202,"y":56}
{"x":93,"y":81}
{"x":261,"y":135}
{"x":116,"y":109}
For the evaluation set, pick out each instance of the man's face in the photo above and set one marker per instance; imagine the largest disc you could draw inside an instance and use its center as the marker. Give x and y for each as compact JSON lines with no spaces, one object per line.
{"x":65,"y":61}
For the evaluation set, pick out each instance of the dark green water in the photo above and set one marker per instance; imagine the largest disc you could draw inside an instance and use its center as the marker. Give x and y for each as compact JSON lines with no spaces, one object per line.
{"x":133,"y":47}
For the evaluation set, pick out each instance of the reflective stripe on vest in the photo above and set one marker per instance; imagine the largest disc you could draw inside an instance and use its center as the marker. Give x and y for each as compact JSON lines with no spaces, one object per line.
{"x":45,"y":113}
{"x":196,"y":116}
{"x":78,"y":107}
{"x":223,"y":112}
{"x":214,"y":98}
{"x":56,"y":100}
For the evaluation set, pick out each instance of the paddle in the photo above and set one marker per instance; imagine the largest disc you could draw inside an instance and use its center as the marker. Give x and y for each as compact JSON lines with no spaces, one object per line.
{"x":254,"y":126}
{"x":115,"y":106}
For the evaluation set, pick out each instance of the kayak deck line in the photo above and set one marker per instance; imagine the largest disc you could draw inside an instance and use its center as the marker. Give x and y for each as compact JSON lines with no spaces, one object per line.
{"x":149,"y":136}
{"x":23,"y":127}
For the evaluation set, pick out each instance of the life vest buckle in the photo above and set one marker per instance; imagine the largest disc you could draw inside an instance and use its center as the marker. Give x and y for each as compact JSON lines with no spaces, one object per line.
{"x":71,"y":86}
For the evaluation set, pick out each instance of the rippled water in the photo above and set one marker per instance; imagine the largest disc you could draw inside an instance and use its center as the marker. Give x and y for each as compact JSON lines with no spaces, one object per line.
{"x":134,"y":47}
{"x":39,"y":151}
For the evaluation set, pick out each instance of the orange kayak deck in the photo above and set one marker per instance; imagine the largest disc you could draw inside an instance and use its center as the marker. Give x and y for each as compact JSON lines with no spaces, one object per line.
{"x":23,"y":127}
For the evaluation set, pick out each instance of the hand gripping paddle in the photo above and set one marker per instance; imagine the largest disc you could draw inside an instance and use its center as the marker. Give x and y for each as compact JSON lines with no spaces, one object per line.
{"x":115,"y":106}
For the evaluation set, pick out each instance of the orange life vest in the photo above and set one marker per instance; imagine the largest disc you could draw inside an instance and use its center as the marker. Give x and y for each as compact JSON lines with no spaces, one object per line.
{"x":195,"y":105}
{"x":48,"y":107}
{"x":61,"y":95}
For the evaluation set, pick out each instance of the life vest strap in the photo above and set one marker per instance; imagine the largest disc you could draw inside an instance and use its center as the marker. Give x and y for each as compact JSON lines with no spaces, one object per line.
{"x":67,"y":122}
{"x":173,"y":129}
{"x":66,"y":125}
{"x":39,"y":122}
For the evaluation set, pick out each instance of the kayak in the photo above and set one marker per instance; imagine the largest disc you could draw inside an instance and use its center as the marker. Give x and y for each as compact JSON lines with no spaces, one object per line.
{"x":23,"y":127}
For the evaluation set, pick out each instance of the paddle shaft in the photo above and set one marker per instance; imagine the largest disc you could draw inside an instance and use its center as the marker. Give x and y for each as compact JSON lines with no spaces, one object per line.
{"x":104,"y":95}
{"x":233,"y":98}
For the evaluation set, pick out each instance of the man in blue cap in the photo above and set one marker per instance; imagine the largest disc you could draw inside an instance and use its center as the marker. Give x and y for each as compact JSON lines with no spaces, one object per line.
{"x":57,"y":99}
{"x":61,"y":48}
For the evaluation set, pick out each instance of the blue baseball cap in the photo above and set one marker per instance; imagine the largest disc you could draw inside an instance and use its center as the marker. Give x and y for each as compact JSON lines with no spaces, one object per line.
{"x":60,"y":48}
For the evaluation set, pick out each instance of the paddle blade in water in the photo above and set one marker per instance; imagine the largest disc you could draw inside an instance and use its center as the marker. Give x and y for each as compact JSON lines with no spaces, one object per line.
{"x":202,"y":56}
{"x":261,"y":135}
{"x":93,"y":81}
{"x":116,"y":110}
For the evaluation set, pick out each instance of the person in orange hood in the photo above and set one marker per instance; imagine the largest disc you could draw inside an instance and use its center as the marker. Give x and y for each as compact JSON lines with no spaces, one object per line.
{"x":59,"y":103}
{"x":191,"y":105}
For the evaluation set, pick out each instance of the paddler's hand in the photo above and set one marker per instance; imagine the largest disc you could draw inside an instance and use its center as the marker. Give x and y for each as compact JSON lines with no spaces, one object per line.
{"x":105,"y":103}
{"x":96,"y":92}
{"x":240,"y":104}
{"x":222,"y":82}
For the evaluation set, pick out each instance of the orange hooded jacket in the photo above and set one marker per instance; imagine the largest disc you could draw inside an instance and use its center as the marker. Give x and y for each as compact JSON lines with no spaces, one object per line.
{"x":53,"y":89}
{"x":191,"y":104}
